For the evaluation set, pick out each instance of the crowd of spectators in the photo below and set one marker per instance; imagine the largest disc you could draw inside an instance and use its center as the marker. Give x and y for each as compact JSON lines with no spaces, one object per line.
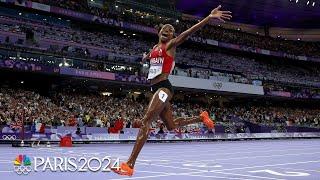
{"x":92,"y":110}
{"x":126,"y":13}
{"x":190,"y":61}
{"x":268,"y":115}
{"x":15,"y":102}
{"x":73,"y":109}
{"x":293,"y":92}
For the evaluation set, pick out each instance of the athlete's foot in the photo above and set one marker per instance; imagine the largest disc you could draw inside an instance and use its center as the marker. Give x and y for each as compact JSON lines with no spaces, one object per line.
{"x":124,"y":170}
{"x":204,"y":116}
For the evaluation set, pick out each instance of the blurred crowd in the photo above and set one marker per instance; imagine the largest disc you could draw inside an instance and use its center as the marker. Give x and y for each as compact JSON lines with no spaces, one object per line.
{"x":91,"y":110}
{"x":125,"y":13}
{"x":114,"y":47}
{"x":293,"y":92}
{"x":110,"y":51}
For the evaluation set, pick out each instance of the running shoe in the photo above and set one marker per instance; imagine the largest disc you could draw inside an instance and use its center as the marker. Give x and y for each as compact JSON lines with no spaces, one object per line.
{"x":204,"y":116}
{"x":124,"y":170}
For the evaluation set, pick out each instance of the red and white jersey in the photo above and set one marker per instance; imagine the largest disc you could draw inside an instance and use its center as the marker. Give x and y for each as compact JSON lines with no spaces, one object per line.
{"x":160,"y":62}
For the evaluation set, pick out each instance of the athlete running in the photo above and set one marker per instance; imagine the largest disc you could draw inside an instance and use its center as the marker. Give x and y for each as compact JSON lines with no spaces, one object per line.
{"x":161,"y":65}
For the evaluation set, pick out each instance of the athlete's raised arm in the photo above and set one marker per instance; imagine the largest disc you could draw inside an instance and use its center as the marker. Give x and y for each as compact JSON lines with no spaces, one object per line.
{"x":145,"y":57}
{"x":215,"y":14}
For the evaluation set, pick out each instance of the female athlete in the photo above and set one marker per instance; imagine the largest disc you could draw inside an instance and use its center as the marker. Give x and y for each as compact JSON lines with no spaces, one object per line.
{"x":161,"y":64}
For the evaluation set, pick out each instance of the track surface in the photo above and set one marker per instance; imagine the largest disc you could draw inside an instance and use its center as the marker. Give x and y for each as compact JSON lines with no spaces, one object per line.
{"x":264,"y":159}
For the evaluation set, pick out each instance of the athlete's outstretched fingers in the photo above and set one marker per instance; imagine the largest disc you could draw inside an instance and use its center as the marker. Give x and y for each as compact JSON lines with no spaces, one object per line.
{"x":167,"y":118}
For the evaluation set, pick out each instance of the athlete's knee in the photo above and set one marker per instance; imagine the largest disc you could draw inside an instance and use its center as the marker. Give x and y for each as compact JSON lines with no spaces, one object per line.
{"x":144,"y":128}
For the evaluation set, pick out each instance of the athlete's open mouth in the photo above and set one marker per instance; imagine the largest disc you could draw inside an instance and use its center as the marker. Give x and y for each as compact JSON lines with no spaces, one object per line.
{"x":165,"y":35}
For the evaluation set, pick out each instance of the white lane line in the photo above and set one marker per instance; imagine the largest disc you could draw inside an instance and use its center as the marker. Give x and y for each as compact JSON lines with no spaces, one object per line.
{"x":221,"y":148}
{"x":155,"y":172}
{"x":6,"y":161}
{"x":235,"y":174}
{"x":250,"y":157}
{"x":276,"y":155}
{"x":218,"y":177}
{"x":299,"y":169}
{"x":142,"y":177}
{"x":266,"y":151}
{"x":237,"y":158}
{"x":206,"y":171}
{"x":175,"y":167}
{"x":251,"y":152}
{"x":57,"y":150}
{"x":6,"y":171}
{"x":239,"y":151}
{"x":268,"y":165}
{"x":176,"y":174}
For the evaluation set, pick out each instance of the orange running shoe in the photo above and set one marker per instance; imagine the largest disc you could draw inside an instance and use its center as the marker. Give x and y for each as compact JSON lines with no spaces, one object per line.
{"x":204,"y":116}
{"x":124,"y":170}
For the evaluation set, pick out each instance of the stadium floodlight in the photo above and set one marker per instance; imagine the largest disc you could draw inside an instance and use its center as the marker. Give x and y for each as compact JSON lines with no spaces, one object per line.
{"x":297,"y":1}
{"x":308,"y":2}
{"x":314,"y":3}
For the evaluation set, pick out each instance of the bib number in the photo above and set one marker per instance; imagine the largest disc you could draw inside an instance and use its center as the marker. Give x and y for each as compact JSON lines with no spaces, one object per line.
{"x":154,"y":71}
{"x":163,"y":96}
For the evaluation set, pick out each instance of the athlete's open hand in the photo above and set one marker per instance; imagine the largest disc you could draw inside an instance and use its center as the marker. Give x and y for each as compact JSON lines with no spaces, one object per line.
{"x":221,"y":15}
{"x":145,"y":56}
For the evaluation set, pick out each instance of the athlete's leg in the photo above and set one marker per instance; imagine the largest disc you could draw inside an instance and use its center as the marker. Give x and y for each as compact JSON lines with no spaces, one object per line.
{"x":167,"y":118}
{"x":156,"y":105}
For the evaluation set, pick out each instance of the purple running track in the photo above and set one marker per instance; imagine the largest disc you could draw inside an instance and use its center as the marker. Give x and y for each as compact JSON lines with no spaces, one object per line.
{"x":260,"y":159}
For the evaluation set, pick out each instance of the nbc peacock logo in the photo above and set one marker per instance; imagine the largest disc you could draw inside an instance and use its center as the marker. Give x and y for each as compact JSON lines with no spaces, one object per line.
{"x":22,"y":165}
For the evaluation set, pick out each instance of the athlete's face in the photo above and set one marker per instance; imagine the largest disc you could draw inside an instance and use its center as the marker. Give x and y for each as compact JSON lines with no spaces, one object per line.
{"x":166,"y":33}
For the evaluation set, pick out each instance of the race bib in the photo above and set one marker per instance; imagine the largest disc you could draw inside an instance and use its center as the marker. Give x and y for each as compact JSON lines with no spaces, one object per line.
{"x":154,"y":71}
{"x":156,"y":65}
{"x":163,"y":96}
